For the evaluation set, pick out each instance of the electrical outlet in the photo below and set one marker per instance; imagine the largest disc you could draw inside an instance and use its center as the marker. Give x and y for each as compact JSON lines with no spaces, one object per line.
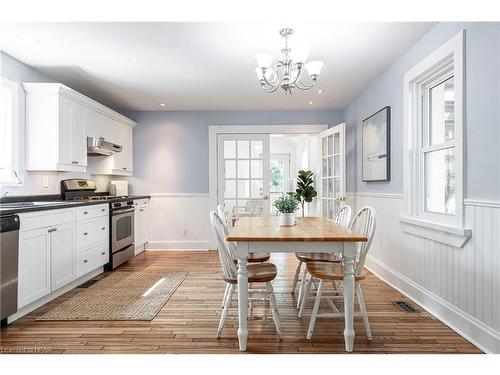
{"x":185,"y":232}
{"x":45,"y":182}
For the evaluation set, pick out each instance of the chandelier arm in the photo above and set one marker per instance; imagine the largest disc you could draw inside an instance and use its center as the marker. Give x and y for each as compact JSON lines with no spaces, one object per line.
{"x":272,"y":90}
{"x":299,"y":72}
{"x":302,"y":86}
{"x":266,"y":81}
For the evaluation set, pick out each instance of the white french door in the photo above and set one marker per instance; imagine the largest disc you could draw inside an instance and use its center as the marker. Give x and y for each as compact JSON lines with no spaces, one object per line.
{"x":243,"y":174}
{"x":332,"y":185}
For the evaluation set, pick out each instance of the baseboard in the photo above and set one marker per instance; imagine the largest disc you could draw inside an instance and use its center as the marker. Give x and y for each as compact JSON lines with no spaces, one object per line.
{"x":49,"y":297}
{"x":177,"y":245}
{"x":482,"y":336}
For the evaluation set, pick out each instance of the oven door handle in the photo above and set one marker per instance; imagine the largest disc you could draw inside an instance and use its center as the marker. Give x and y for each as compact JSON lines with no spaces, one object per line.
{"x":122,"y":211}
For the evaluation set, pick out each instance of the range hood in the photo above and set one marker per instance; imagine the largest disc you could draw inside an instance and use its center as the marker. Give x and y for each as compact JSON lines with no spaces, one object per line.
{"x":99,"y":146}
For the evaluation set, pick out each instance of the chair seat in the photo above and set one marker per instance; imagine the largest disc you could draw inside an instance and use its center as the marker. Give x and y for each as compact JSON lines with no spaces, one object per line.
{"x":329,"y":271}
{"x":258,"y":273}
{"x":315,"y":257}
{"x":256,"y":258}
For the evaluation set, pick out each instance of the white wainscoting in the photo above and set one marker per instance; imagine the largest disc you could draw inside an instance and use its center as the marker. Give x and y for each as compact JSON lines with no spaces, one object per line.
{"x":179,"y":222}
{"x":460,"y":286}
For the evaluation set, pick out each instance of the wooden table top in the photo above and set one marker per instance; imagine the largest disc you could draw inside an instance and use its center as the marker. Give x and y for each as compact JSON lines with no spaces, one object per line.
{"x":306,"y":229}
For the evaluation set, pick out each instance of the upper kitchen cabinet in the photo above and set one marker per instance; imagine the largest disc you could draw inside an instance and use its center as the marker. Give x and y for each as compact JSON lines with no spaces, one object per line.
{"x":58,"y":122}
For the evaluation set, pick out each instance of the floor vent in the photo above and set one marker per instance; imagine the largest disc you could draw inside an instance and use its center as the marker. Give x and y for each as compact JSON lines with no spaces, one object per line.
{"x":87,"y":284}
{"x":405,"y":307}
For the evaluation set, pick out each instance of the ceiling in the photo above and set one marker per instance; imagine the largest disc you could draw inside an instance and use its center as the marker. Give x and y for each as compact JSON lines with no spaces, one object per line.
{"x":205,"y":66}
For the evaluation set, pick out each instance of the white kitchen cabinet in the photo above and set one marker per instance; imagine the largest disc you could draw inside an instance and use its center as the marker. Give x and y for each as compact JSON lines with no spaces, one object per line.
{"x":55,"y":133}
{"x":123,"y":160}
{"x":34,"y":266}
{"x":141,"y":225}
{"x":58,"y":246}
{"x":62,"y":255}
{"x":58,"y":122}
{"x":92,"y":123}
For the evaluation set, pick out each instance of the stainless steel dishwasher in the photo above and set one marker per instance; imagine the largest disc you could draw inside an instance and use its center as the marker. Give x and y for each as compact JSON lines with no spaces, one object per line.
{"x":9,"y":255}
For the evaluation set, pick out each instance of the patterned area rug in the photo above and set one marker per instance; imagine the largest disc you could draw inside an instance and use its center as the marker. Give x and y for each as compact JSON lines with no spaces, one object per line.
{"x":120,"y":296}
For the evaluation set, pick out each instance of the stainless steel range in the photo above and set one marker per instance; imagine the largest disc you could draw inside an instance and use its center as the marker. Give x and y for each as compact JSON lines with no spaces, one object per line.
{"x":121,"y":220}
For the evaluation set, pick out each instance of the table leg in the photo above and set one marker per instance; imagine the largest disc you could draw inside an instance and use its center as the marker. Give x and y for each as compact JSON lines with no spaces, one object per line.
{"x":348,"y":258}
{"x":242,"y":303}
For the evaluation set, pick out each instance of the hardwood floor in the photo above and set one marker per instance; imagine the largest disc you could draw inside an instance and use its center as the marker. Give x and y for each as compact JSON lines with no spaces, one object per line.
{"x":188,"y":322}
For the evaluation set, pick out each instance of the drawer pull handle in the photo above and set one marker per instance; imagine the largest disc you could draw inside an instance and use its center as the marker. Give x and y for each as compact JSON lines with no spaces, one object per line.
{"x":141,"y":210}
{"x":124,"y":168}
{"x":85,"y":212}
{"x":103,"y":209}
{"x":74,"y":162}
{"x":85,"y":261}
{"x":103,"y":253}
{"x":85,"y":233}
{"x":103,"y":228}
{"x":55,"y":229}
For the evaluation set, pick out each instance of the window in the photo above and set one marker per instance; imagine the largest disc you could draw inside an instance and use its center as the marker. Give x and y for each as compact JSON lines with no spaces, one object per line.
{"x":279,"y":173}
{"x":438,"y":148}
{"x":9,"y":135}
{"x":433,"y":95}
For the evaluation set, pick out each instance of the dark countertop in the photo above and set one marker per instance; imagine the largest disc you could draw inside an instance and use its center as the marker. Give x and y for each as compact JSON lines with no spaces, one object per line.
{"x":52,"y":202}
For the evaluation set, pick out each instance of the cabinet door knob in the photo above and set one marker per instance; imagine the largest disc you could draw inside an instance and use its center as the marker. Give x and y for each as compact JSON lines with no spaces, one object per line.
{"x":85,"y":261}
{"x":74,"y":162}
{"x":53,"y":230}
{"x":103,"y":253}
{"x":85,"y":233}
{"x":124,"y":168}
{"x":141,"y":210}
{"x":103,"y":209}
{"x":103,"y":228}
{"x":85,"y":212}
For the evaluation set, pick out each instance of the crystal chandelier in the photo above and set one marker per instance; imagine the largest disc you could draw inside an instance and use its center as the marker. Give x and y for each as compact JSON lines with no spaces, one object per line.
{"x":287,"y":72}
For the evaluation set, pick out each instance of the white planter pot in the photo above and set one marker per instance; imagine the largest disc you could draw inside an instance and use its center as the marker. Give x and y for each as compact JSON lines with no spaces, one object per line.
{"x":287,"y":220}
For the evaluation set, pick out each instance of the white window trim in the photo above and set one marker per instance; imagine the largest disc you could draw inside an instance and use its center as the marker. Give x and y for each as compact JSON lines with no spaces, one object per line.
{"x":14,"y":88}
{"x":444,"y":228}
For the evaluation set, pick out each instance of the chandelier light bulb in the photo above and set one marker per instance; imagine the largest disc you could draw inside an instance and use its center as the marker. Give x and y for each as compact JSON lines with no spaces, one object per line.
{"x":260,"y":76}
{"x":264,"y":60}
{"x":314,"y":67}
{"x":299,"y":55}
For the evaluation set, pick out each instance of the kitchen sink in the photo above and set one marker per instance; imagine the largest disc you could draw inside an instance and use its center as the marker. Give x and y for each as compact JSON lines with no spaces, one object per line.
{"x":11,"y":205}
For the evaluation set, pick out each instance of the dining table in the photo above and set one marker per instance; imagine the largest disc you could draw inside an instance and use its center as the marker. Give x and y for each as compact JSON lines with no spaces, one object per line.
{"x":308,"y":235}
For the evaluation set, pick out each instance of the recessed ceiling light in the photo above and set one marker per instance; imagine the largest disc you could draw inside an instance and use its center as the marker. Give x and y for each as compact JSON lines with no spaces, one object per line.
{"x":320,"y":91}
{"x":310,"y":102}
{"x":162,"y":104}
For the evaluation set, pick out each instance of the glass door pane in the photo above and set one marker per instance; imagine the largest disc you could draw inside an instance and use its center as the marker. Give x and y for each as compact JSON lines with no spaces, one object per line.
{"x":242,"y":184}
{"x":332,"y":184}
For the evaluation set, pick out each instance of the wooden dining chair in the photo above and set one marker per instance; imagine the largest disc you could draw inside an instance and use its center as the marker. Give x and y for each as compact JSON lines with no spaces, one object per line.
{"x":364,"y":223}
{"x":257,"y":273}
{"x":343,"y":218}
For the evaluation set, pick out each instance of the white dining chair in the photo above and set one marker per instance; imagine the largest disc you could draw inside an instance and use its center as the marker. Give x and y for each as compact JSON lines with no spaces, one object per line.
{"x":343,"y":218}
{"x":364,"y":223}
{"x":252,"y":257}
{"x":257,"y":273}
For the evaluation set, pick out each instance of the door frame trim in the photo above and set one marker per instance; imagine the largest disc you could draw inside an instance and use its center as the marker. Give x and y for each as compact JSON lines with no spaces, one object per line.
{"x":214,"y":130}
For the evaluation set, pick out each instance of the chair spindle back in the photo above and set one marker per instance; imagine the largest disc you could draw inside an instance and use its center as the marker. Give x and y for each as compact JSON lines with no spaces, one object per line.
{"x":226,"y":253}
{"x":364,"y":223}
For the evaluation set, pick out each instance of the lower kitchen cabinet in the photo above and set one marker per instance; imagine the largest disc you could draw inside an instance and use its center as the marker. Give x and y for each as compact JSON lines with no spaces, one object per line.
{"x":89,"y":259}
{"x":34,"y":266}
{"x":62,"y":255}
{"x":56,"y":247}
{"x":141,"y":225}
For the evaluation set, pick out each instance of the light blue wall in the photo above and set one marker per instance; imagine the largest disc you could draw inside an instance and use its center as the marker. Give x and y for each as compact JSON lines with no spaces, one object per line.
{"x":171,"y":148}
{"x":482,"y":127}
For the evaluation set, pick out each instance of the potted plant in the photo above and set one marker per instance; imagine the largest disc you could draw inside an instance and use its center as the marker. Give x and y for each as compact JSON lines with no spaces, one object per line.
{"x":286,"y":205}
{"x":305,"y":191}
